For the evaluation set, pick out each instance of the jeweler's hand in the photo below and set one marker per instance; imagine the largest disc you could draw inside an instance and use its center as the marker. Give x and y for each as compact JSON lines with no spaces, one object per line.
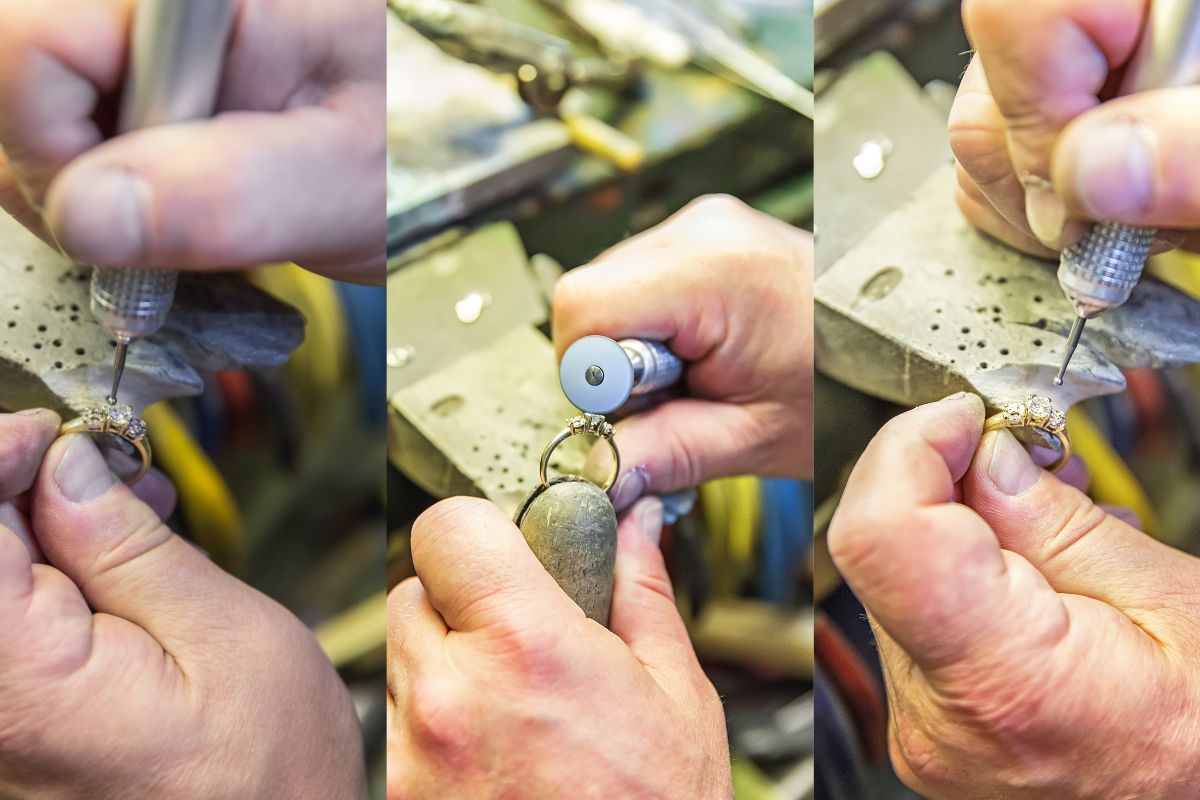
{"x":292,"y":169}
{"x":499,"y":686}
{"x":130,"y":665}
{"x":1028,"y":113}
{"x":730,"y":291}
{"x":1034,"y":645}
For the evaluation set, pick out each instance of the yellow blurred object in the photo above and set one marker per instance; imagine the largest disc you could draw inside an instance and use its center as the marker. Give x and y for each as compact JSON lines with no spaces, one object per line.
{"x":1178,"y":269}
{"x":356,"y":632}
{"x":318,"y":365}
{"x":1113,"y":483}
{"x":751,"y":783}
{"x":601,"y":139}
{"x":732,"y":513}
{"x":205,"y":500}
{"x":756,"y":633}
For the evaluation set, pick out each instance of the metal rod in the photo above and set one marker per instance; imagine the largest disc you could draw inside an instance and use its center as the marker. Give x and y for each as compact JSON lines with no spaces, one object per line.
{"x":118,"y":368}
{"x":1072,"y":343}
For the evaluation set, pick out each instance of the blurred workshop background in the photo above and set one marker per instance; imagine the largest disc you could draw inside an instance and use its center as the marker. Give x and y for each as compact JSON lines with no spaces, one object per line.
{"x":913,"y":305}
{"x":527,"y":136}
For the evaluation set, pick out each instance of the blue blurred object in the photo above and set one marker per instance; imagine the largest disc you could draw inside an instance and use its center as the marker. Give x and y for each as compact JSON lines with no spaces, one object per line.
{"x":840,"y":764}
{"x":366,"y":319}
{"x":787,"y":536}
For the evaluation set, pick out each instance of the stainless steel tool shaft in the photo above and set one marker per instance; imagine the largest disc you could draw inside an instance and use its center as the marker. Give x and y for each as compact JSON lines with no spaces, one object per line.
{"x":1100,"y":271}
{"x":177,"y":51}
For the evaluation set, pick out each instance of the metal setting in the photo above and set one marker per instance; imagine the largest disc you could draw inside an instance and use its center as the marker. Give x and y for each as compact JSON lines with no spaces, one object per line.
{"x":1036,"y":412}
{"x":120,"y":422}
{"x":593,"y":424}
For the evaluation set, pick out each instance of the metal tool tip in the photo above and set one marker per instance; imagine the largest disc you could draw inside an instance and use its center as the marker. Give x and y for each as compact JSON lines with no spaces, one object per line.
{"x":118,"y":369}
{"x":1072,"y":344}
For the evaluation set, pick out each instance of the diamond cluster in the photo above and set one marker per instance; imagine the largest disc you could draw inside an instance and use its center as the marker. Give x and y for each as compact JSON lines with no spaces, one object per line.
{"x":120,"y":420}
{"x":594,"y":424}
{"x":1036,"y":411}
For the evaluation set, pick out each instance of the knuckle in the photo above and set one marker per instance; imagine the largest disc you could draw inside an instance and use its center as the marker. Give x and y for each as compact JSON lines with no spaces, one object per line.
{"x":569,"y":296}
{"x":1082,"y":521}
{"x":535,"y":654}
{"x":656,"y":582}
{"x":851,"y":534}
{"x":914,"y":757}
{"x":720,"y":218}
{"x":144,"y":533}
{"x":716,"y":205}
{"x":437,"y":718}
{"x":440,"y":521}
{"x":685,"y":462}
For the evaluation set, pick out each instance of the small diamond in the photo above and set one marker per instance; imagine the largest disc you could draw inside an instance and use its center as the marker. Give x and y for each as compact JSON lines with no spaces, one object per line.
{"x":1014,"y":413}
{"x":1057,"y":421}
{"x":1040,"y":409}
{"x":136,"y":429}
{"x":94,"y":418}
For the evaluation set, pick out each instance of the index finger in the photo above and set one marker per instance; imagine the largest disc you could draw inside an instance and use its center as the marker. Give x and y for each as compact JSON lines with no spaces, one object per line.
{"x":1047,"y":62}
{"x":478,"y":570}
{"x":671,"y":282}
{"x":56,"y":60}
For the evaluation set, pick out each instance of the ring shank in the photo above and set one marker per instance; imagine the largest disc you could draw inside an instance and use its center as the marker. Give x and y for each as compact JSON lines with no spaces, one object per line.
{"x":997,"y":422}
{"x":567,"y":433}
{"x":141,"y":445}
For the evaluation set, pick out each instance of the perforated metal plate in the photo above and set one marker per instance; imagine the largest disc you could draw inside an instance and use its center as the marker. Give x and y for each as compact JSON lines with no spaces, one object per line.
{"x":479,"y":425}
{"x":54,"y":354}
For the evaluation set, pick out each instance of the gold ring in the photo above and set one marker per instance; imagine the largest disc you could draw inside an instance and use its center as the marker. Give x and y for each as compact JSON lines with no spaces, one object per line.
{"x":119,"y":422}
{"x":1038,"y":413}
{"x":594,"y":424}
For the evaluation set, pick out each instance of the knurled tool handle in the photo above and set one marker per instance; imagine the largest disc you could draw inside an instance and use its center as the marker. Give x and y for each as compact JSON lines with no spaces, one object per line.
{"x":177,"y":52}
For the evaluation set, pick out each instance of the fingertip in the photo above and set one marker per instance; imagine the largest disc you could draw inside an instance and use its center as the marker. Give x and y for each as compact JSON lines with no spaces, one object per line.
{"x":952,"y":426}
{"x":98,"y":214}
{"x":445,"y":517}
{"x":25,"y":438}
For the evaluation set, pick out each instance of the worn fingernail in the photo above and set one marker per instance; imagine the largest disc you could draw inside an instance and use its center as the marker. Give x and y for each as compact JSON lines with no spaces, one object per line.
{"x":1114,"y":169}
{"x":1045,"y":210}
{"x":1011,"y":468}
{"x":629,"y":487}
{"x":650,"y":519}
{"x":83,"y":474}
{"x":103,"y":219}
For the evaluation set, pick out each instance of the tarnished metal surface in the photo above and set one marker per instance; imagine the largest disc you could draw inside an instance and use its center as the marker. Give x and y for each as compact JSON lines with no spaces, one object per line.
{"x":485,"y":272}
{"x":874,"y":101}
{"x":478,"y":426}
{"x":572,"y":528}
{"x":458,"y":140}
{"x":54,"y":354}
{"x":925,"y":306}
